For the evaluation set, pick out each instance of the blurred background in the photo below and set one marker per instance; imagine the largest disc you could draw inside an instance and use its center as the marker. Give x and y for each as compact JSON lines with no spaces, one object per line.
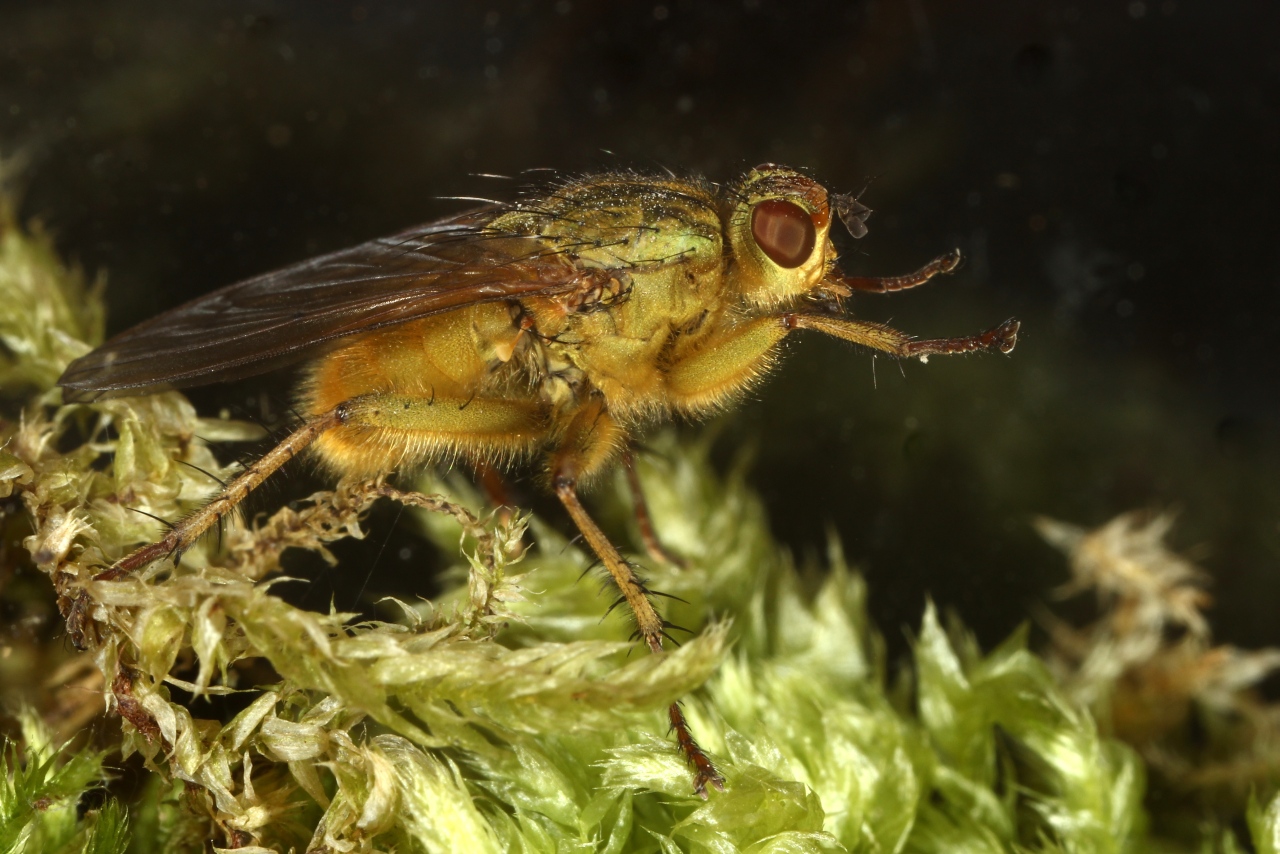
{"x":1109,"y":170}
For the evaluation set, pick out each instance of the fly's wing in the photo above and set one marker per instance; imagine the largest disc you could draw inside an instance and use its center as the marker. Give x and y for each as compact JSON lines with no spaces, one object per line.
{"x":277,"y":318}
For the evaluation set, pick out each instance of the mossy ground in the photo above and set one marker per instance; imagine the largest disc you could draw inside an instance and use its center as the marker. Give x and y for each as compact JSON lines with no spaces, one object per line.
{"x":507,"y":715}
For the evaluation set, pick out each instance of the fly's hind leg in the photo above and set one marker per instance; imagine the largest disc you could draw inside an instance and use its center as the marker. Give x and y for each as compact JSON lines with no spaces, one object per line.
{"x":365,"y":435}
{"x":386,"y":432}
{"x":191,"y":528}
{"x":644,"y":521}
{"x":592,"y":440}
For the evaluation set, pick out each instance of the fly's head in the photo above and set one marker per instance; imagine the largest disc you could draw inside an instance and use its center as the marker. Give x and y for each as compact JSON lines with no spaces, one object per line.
{"x":778,"y":226}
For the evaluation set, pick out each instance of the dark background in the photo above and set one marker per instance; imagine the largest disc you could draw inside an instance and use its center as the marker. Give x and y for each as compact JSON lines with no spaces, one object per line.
{"x":1109,"y":169}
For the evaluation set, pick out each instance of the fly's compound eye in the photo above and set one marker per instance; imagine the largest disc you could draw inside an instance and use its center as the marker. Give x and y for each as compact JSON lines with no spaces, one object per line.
{"x":784,"y":231}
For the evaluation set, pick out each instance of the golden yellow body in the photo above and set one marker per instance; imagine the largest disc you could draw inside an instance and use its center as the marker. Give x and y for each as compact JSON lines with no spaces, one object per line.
{"x":476,"y":382}
{"x":562,"y":324}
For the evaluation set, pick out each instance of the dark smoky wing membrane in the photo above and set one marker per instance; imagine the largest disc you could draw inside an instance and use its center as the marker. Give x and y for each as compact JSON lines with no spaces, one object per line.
{"x":284,"y":316}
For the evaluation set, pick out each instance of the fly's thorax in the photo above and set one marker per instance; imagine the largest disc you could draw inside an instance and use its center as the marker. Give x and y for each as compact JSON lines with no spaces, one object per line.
{"x":621,"y":347}
{"x":664,"y":241}
{"x":561,"y":383}
{"x":575,"y":355}
{"x":622,"y":221}
{"x":777,"y":225}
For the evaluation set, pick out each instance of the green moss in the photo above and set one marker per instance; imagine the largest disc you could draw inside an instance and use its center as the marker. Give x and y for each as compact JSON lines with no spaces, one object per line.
{"x":507,"y":715}
{"x":39,"y":793}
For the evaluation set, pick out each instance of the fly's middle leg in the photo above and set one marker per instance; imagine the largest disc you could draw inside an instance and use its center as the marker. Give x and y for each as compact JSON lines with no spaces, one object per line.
{"x":592,"y":440}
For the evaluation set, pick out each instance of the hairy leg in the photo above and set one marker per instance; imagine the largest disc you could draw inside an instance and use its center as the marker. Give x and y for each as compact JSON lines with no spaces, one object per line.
{"x":372,"y":434}
{"x":640,"y":507}
{"x":591,"y":442}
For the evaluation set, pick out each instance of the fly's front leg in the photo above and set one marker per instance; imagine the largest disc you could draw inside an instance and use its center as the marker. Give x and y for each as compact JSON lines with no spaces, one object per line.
{"x":593,"y":440}
{"x":723,"y":367}
{"x":889,"y":340}
{"x":889,"y":284}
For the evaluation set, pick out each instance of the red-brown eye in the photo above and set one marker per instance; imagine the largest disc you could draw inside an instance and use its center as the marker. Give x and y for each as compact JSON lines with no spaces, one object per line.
{"x":783,"y":231}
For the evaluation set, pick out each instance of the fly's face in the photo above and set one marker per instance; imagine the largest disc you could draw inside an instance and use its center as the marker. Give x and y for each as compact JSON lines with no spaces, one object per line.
{"x":778,"y":226}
